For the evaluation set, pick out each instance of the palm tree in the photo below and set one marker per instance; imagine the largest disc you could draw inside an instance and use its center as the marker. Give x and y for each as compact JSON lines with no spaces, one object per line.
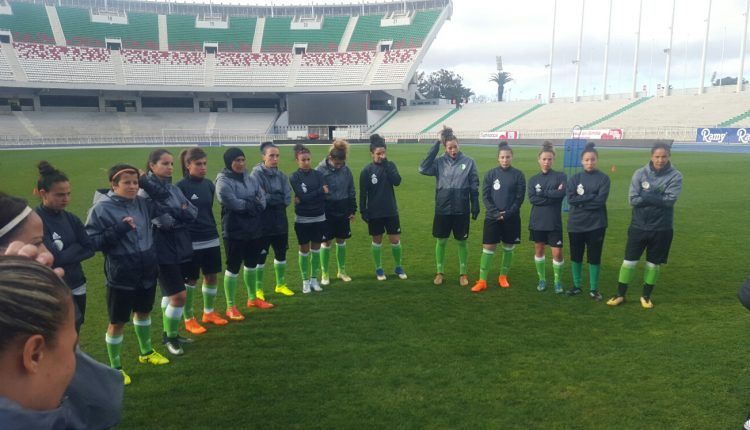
{"x":500,"y":78}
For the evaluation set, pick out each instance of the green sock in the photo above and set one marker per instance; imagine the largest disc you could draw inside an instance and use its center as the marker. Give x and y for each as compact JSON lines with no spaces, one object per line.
{"x":315,"y":263}
{"x":651,"y":274}
{"x":594,"y":270}
{"x":485,"y":263}
{"x":463,"y":256}
{"x":279,"y":268}
{"x":172,"y":317}
{"x":440,"y":254}
{"x":143,"y":334}
{"x":259,"y":271}
{"x":304,"y":265}
{"x":189,"y":299}
{"x":575,"y":269}
{"x":627,"y":272}
{"x":248,"y":275}
{"x":325,"y":256}
{"x":507,"y":260}
{"x":540,"y":262}
{"x":557,"y":269}
{"x":114,"y":346}
{"x":209,"y":297}
{"x":377,"y":255}
{"x":396,"y":251}
{"x":230,"y":288}
{"x":341,"y":257}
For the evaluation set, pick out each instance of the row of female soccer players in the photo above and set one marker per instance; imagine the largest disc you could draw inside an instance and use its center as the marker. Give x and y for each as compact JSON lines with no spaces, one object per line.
{"x":653,"y":192}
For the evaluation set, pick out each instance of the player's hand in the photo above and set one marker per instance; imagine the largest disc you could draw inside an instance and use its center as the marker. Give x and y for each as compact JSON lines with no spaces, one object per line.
{"x":36,"y":253}
{"x":296,"y":200}
{"x":325,"y":189}
{"x":130,"y":221}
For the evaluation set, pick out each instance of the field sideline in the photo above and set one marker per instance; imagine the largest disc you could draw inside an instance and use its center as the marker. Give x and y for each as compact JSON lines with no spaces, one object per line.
{"x":408,"y":354}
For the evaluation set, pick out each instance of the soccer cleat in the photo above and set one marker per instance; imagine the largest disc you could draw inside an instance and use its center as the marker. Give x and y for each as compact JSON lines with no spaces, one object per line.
{"x":541,"y":286}
{"x":283,"y":289}
{"x":595,"y":295}
{"x":260,"y":294}
{"x":324,"y":279}
{"x":193,"y":327}
{"x":646,"y":303}
{"x":574,"y":291}
{"x":180,"y":339}
{"x":558,"y":288}
{"x":306,"y":286}
{"x":463,"y":281}
{"x":154,"y":358}
{"x":502,"y":280}
{"x":213,"y":318}
{"x":258,"y":303}
{"x":380,"y":274}
{"x":479,"y":286}
{"x":234,"y":314}
{"x":438,"y":279}
{"x":125,"y":378}
{"x":314,"y":285}
{"x":344,"y":277}
{"x":616,"y":301}
{"x":400,"y":272}
{"x":174,"y":347}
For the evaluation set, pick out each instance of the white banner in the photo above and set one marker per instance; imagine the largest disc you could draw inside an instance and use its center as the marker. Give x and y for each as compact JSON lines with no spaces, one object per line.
{"x":603,"y":134}
{"x":499,"y":135}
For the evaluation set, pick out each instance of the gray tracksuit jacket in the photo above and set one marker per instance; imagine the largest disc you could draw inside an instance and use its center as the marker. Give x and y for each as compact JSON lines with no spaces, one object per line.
{"x":341,"y":200}
{"x":242,"y":202}
{"x":587,"y":195}
{"x":653,"y":196}
{"x":278,"y":196}
{"x":457,"y":189}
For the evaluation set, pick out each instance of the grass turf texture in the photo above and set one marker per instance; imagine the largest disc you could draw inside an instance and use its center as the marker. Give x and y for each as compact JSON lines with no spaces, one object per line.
{"x":408,"y":354}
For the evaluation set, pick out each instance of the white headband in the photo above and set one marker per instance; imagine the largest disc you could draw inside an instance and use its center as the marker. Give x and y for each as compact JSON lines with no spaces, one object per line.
{"x":15,"y":221}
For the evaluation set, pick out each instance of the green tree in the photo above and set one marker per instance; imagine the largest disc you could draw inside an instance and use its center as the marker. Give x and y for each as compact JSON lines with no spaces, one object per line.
{"x":500,"y":78}
{"x":443,"y":84}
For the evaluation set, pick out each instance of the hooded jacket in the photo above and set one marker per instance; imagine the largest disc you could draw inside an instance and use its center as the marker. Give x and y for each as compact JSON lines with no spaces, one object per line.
{"x":376,"y":196}
{"x":653,"y":196}
{"x":242,"y":201}
{"x":278,"y":196}
{"x":130,"y":260}
{"x":173,"y":243}
{"x":66,"y":239}
{"x":341,"y":200}
{"x":457,"y":190}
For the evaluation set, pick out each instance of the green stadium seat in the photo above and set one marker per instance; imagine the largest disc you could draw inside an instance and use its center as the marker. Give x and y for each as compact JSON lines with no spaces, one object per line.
{"x":141,"y":31}
{"x":29,"y":23}
{"x":279,"y":37}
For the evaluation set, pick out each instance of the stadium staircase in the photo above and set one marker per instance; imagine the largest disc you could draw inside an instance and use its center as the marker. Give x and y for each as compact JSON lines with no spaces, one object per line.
{"x":517,"y":117}
{"x":439,"y":120}
{"x":347,"y":36}
{"x":617,"y":112}
{"x":294,"y":70}
{"x":163,"y":33}
{"x":27,"y":124}
{"x":735,"y":119}
{"x":376,"y":62}
{"x":10,"y":55}
{"x":125,"y":129}
{"x":54,"y":21}
{"x":382,"y":121}
{"x":117,"y":67}
{"x":260,"y":26}
{"x":209,"y":70}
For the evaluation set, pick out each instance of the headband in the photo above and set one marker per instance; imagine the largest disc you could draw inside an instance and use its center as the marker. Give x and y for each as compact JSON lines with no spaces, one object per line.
{"x":15,"y":221}
{"x":126,"y":170}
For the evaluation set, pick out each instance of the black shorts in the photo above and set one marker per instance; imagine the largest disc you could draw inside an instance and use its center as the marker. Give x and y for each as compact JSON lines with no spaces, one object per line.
{"x":207,"y":260}
{"x":389,"y":224}
{"x":655,"y":243}
{"x":443,"y":225}
{"x":279,"y":243}
{"x":310,"y":232}
{"x":591,"y":242}
{"x":122,"y":303}
{"x":241,"y":251}
{"x":338,"y":228}
{"x":171,"y":279}
{"x":505,"y":231}
{"x":552,"y":238}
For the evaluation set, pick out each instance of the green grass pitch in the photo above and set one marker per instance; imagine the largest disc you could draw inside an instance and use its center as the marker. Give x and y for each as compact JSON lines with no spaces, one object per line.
{"x":408,"y":354}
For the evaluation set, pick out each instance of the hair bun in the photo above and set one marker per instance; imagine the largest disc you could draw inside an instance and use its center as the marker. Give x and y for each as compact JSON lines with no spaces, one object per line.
{"x":446,"y":133}
{"x":46,"y":169}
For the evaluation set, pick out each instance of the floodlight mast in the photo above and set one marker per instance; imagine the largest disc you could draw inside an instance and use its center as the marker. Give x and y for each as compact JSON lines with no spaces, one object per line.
{"x":551,"y":53}
{"x":668,"y":51}
{"x":743,"y":45}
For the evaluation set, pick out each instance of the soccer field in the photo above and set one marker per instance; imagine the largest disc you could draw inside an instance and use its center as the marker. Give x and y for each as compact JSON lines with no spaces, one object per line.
{"x":408,"y":354}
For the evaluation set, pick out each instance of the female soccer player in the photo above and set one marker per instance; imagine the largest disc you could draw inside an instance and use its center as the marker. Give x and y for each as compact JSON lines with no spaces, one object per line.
{"x":242,"y":203}
{"x":64,"y":235}
{"x":456,"y":195}
{"x":587,"y":222}
{"x":119,"y":225}
{"x":502,"y":192}
{"x":310,"y":190}
{"x":341,"y":205}
{"x":546,"y":193}
{"x":204,"y":237}
{"x":275,"y":224}
{"x":377,"y":203}
{"x":653,"y":193}
{"x":173,"y":243}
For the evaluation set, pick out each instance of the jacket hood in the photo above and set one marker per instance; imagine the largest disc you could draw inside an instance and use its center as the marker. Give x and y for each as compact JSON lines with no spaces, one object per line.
{"x":261,"y":168}
{"x":103,"y":194}
{"x":231,"y":174}
{"x":15,"y":417}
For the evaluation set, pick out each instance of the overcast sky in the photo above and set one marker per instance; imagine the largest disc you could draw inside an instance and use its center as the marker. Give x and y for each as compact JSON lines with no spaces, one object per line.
{"x":521,"y":32}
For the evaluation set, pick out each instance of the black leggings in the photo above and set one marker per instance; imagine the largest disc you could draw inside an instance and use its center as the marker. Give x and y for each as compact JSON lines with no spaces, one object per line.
{"x":279,"y":243}
{"x":239,"y":251}
{"x":593,"y":241}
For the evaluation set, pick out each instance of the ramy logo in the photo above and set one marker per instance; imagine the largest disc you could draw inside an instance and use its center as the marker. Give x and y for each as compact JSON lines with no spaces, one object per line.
{"x":707,"y":136}
{"x":743,"y":136}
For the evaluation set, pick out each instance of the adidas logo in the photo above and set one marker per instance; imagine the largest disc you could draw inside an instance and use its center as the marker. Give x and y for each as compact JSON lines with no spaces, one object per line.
{"x":56,"y":236}
{"x":193,"y":197}
{"x":559,"y":242}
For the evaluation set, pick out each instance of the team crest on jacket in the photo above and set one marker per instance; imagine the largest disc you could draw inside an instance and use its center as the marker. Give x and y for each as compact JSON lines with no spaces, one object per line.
{"x":374,"y":179}
{"x":496,"y":185}
{"x":463,"y":166}
{"x":645,"y":185}
{"x":580,"y":190}
{"x":538,"y":188}
{"x":57,"y":240}
{"x":304,"y":188}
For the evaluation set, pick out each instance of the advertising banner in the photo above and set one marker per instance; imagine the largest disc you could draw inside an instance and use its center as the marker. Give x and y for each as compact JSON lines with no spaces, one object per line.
{"x":500,"y":135}
{"x":604,"y":134}
{"x":723,"y":135}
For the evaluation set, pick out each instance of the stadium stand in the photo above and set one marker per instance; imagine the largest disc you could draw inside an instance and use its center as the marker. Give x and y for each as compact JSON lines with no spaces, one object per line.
{"x":252,"y":70}
{"x":184,"y":36}
{"x":369,"y":32}
{"x":414,"y":119}
{"x":141,"y":31}
{"x":28,"y":23}
{"x":50,"y":63}
{"x":6,"y":74}
{"x":335,"y":68}
{"x":394,"y":66}
{"x":279,"y":37}
{"x":483,"y":117}
{"x":163,"y":68}
{"x":564,"y":116}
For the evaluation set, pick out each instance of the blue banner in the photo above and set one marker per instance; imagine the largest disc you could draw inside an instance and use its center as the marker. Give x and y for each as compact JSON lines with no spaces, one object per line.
{"x":723,"y":135}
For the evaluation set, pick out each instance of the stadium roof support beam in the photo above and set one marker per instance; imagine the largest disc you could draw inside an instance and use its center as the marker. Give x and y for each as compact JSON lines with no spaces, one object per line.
{"x":743,"y":46}
{"x":702,"y":84}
